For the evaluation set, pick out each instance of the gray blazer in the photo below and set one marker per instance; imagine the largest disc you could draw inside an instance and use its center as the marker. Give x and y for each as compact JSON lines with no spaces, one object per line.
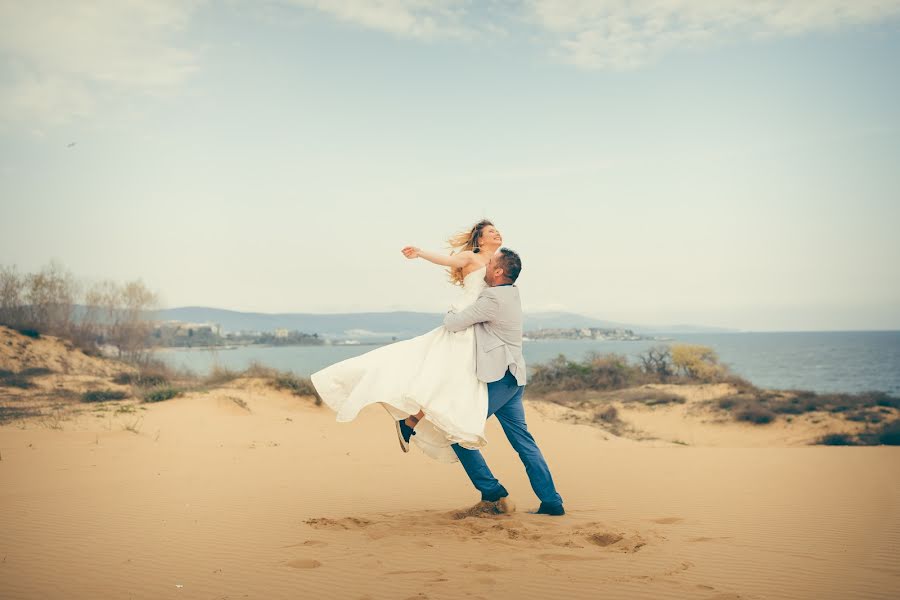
{"x":497,"y":317}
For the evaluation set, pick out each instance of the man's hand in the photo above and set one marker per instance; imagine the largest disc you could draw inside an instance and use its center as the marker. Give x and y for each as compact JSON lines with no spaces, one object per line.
{"x":411,"y":252}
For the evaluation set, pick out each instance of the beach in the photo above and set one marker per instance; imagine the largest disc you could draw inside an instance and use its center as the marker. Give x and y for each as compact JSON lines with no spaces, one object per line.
{"x":245,"y":491}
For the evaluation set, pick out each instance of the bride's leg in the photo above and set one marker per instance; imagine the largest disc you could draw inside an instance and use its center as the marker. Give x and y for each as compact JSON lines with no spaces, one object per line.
{"x":411,"y":420}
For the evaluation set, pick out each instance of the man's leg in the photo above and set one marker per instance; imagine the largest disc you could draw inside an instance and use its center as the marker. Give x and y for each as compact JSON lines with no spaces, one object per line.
{"x":512,"y":418}
{"x":499,"y":393}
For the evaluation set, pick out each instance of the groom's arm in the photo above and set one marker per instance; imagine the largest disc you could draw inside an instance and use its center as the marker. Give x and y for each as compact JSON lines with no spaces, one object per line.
{"x":484,"y":309}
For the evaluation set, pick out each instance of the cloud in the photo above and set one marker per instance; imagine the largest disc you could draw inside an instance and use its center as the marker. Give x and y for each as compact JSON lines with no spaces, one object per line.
{"x":607,"y":34}
{"x":622,"y":34}
{"x":424,"y":19}
{"x":65,"y":59}
{"x":62,"y":59}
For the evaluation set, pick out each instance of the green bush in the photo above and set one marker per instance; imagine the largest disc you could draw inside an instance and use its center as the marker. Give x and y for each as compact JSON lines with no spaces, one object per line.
{"x":140,"y":379}
{"x":103,"y":395}
{"x":161,"y":393}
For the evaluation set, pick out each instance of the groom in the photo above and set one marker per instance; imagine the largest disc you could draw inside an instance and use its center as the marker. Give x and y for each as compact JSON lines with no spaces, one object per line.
{"x":497,"y":317}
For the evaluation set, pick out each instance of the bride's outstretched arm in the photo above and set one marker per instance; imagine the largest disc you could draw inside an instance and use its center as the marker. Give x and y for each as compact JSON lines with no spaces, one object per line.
{"x":454,"y":261}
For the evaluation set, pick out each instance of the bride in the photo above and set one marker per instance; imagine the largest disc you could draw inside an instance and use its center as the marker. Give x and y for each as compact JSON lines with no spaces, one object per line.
{"x":427,"y":383}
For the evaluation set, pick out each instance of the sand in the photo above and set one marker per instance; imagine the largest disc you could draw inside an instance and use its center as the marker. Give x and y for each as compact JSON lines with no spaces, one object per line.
{"x":249,"y":492}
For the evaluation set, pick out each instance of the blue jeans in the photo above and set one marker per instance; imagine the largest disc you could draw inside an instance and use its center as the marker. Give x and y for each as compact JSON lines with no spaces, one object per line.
{"x":505,"y":401}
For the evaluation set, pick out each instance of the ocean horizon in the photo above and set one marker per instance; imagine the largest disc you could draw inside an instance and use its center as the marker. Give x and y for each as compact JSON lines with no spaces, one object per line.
{"x":820,"y":361}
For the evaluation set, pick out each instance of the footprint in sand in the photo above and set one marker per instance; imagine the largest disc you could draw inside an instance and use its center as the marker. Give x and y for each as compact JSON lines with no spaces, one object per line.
{"x":345,"y":523}
{"x":605,"y":539}
{"x":612,"y":540}
{"x":567,"y":557}
{"x":304,"y":563}
{"x":667,"y":520}
{"x":307,"y":543}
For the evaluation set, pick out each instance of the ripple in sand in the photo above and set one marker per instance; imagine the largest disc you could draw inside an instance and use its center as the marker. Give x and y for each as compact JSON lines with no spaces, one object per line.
{"x":304,"y":563}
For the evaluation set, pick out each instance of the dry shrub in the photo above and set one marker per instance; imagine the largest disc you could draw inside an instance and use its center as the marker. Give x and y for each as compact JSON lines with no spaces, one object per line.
{"x":887,"y":434}
{"x":754,"y":413}
{"x":596,"y":372}
{"x":299,"y":386}
{"x":608,"y":414}
{"x":650,"y":397}
{"x":697,"y":363}
{"x":219,"y":375}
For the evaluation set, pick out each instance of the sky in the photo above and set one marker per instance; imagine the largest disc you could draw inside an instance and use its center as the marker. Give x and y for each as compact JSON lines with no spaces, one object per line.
{"x":658,"y":162}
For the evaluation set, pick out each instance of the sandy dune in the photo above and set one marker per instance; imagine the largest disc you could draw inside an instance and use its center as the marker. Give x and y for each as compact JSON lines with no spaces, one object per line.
{"x":693,"y":422}
{"x":247,"y":492}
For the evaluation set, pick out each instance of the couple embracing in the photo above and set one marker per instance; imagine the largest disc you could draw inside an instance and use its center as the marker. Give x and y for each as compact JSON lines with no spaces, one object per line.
{"x":441,"y":387}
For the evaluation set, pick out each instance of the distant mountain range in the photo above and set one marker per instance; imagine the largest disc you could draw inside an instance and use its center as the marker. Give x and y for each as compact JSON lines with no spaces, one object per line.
{"x":381,"y":325}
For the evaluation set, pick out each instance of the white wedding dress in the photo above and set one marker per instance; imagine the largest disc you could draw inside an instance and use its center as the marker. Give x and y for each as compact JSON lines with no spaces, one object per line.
{"x":434,"y":372}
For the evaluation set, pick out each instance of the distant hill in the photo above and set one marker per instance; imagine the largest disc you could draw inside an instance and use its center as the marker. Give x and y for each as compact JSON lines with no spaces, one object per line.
{"x":379,"y":325}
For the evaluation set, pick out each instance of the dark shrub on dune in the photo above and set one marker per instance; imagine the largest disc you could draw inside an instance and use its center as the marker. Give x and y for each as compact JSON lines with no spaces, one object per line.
{"x":14,"y":379}
{"x":762,"y":406}
{"x":754,"y":413}
{"x":161,"y":393}
{"x":22,"y":379}
{"x":837,"y":439}
{"x":597,"y":372}
{"x":140,"y":379}
{"x":35,"y":372}
{"x":888,"y":434}
{"x":103,"y":395}
{"x":300,"y":386}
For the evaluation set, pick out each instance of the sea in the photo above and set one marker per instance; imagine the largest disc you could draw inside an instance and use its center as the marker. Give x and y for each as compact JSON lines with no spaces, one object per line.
{"x":841,"y":361}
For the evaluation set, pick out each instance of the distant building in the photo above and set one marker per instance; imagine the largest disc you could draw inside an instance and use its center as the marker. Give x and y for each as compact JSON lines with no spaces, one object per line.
{"x":582,"y":333}
{"x":180,"y":333}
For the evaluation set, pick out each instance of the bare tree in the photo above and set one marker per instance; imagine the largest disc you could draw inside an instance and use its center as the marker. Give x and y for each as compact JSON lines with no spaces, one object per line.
{"x":12,"y":301}
{"x":112,"y":312}
{"x":657,"y":361}
{"x":134,"y":328}
{"x":50,"y":299}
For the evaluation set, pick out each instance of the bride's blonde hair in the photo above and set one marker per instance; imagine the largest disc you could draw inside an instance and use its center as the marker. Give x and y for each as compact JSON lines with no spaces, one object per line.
{"x":466,"y":240}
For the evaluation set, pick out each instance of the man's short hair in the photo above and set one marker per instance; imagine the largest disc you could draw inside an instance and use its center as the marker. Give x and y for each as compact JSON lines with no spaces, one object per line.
{"x":510,"y":262}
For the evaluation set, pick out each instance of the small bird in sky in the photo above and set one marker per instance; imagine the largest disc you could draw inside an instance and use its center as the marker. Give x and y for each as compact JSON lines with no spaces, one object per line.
{"x":70,"y":144}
